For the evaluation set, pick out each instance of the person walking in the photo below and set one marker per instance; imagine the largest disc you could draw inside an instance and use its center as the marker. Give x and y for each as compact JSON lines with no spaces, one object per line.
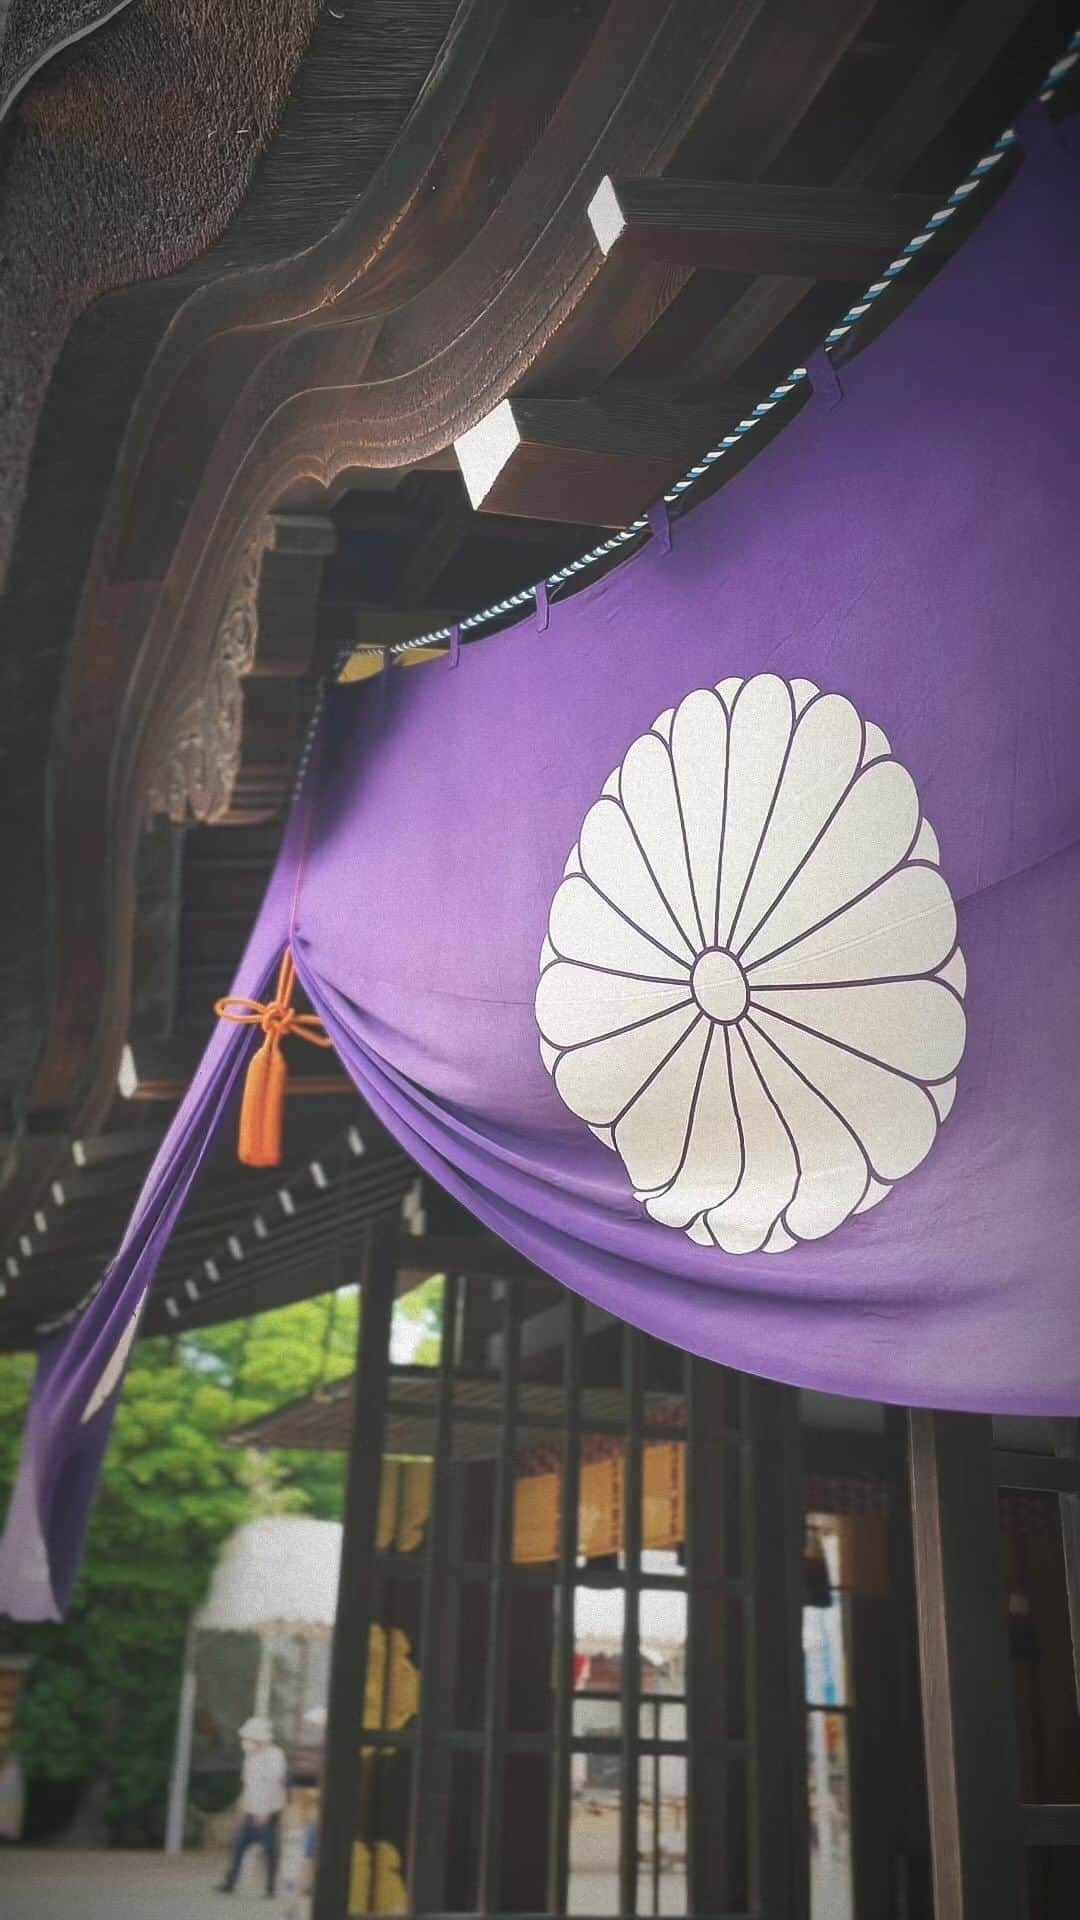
{"x":262,"y":1801}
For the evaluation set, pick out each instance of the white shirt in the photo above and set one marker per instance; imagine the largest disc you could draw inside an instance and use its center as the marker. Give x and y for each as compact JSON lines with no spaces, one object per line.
{"x":265,"y":1788}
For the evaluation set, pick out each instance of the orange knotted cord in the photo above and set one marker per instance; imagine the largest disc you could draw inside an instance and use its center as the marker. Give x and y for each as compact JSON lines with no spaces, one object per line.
{"x":262,"y":1111}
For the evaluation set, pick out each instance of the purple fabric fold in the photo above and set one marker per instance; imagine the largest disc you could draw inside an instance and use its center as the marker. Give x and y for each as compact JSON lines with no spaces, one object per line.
{"x":910,"y":550}
{"x":612,"y":826}
{"x":80,"y":1369}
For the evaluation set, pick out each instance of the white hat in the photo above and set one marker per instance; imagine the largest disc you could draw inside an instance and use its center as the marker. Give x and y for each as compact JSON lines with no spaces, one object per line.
{"x":258,"y":1729}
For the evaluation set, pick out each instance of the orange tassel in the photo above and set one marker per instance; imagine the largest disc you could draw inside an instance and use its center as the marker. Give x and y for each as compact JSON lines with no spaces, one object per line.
{"x":262,"y":1111}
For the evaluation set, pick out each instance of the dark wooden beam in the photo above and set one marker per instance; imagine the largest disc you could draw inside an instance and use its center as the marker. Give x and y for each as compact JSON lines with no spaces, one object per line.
{"x":969,"y":1720}
{"x":582,"y":461}
{"x":74,"y":1189}
{"x":340,"y":1823}
{"x":163,"y":1070}
{"x":1052,"y":1826}
{"x":826,"y":232}
{"x":360,"y":517}
{"x":88,"y":1210}
{"x":469,"y":1254}
{"x":135,"y":1143}
{"x":1036,"y":1472}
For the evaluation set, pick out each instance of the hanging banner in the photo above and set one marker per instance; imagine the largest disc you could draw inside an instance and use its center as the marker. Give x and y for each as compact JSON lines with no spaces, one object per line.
{"x":601,"y":1506}
{"x":717,"y":946}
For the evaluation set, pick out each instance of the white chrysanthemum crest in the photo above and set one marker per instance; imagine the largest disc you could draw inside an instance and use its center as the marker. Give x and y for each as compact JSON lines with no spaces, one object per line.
{"x":751,"y":988}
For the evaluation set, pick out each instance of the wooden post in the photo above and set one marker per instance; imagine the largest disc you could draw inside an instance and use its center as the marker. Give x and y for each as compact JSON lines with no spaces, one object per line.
{"x":910,"y":1825}
{"x":630,"y":1769}
{"x":572,"y":1312}
{"x":1067,"y":1447}
{"x":339,"y":1819}
{"x":500,"y":1591}
{"x":969,"y":1722}
{"x":429,"y":1800}
{"x":716,"y":1593}
{"x":780,"y":1855}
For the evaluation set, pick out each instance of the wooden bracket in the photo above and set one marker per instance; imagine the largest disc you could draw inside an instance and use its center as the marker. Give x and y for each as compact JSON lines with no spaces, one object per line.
{"x":163,"y":1070}
{"x":234,"y":716}
{"x":826,"y":233}
{"x":582,"y":461}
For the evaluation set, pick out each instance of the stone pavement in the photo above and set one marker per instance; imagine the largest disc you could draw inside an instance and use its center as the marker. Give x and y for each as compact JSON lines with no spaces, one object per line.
{"x":58,"y":1885}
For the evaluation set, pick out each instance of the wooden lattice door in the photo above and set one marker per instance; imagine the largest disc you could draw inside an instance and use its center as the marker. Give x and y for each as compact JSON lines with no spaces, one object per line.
{"x":602,"y":1607}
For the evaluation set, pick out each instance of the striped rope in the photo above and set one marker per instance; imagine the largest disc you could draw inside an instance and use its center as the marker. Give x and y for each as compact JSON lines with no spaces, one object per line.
{"x":526,"y":596}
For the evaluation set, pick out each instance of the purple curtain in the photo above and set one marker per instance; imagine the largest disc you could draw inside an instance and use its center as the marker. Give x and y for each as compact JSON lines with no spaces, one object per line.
{"x":80,"y":1370}
{"x":716,"y":944}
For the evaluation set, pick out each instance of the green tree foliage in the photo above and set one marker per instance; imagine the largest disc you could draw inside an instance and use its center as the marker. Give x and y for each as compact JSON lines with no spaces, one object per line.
{"x":102,"y":1698}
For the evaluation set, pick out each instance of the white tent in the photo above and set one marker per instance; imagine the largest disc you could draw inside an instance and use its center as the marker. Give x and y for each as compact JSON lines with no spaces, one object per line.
{"x":276,"y":1573}
{"x":280,"y":1571}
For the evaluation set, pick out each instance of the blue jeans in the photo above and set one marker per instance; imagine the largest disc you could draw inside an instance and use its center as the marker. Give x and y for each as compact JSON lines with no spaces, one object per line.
{"x":255,"y":1833}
